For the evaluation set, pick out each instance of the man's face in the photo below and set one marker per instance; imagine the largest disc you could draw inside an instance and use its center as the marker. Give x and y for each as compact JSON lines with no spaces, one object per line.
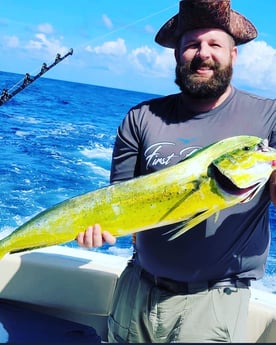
{"x":205,"y":62}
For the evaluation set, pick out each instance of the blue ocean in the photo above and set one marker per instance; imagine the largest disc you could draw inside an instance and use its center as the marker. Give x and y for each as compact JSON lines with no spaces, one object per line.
{"x":57,"y":140}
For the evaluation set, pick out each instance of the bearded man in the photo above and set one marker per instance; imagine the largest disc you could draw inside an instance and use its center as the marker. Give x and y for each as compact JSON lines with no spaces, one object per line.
{"x":194,"y":288}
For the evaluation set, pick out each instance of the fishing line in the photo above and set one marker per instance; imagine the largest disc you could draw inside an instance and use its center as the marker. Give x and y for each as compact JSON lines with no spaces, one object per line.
{"x":127,"y":25}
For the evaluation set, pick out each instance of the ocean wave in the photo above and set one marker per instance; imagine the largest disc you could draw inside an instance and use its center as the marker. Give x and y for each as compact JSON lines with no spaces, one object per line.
{"x":98,"y":152}
{"x":98,"y":170}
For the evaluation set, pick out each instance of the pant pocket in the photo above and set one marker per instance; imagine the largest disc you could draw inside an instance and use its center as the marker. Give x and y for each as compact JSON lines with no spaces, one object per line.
{"x":116,"y":332}
{"x":231,"y":308}
{"x":124,"y":298}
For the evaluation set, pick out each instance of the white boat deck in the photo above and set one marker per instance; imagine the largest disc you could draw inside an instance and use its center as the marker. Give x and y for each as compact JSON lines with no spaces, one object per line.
{"x":78,"y":285}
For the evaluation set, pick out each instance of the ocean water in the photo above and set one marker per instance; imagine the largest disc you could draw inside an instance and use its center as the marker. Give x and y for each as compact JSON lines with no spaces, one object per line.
{"x":56,"y":142}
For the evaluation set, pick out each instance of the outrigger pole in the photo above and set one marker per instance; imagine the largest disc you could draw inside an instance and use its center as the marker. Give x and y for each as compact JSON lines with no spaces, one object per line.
{"x":6,"y":95}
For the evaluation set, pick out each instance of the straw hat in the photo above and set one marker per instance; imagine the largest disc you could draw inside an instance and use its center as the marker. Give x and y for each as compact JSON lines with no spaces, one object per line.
{"x":199,"y":14}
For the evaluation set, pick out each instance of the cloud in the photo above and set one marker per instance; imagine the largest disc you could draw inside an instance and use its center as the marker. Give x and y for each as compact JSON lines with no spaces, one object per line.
{"x":11,"y":41}
{"x":107,"y":21}
{"x":45,"y":28}
{"x":149,"y":29}
{"x":152,"y":62}
{"x":52,"y":45}
{"x":256,"y":65}
{"x":115,"y":48}
{"x":143,"y":60}
{"x":142,"y":57}
{"x":37,"y":44}
{"x":165,"y":62}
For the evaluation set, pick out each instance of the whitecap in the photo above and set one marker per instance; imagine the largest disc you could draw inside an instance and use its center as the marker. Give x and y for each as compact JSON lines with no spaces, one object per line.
{"x":98,"y":152}
{"x":5,"y":231}
{"x":97,"y":170}
{"x":22,"y":133}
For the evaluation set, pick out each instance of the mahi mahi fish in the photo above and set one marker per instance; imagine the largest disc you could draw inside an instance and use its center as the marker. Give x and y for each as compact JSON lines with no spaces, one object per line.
{"x":221,"y":175}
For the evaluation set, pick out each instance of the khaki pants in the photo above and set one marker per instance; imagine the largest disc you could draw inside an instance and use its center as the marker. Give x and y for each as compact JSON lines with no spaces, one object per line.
{"x":142,"y":312}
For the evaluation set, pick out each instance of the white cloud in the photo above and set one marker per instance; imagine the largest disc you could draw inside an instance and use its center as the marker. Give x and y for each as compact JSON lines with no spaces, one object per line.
{"x":141,"y":62}
{"x":149,"y":29}
{"x":256,"y":65}
{"x":38,"y":43}
{"x":52,"y":45}
{"x":115,"y":48}
{"x":150,"y":61}
{"x":142,"y":57}
{"x":165,"y":62}
{"x":12,"y":41}
{"x":107,"y":21}
{"x":45,"y":28}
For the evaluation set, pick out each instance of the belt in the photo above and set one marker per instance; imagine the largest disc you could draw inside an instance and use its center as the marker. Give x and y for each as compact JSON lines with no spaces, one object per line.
{"x":194,"y":287}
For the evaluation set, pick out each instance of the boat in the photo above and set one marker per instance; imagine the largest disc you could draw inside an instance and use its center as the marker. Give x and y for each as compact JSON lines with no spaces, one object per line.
{"x":66,"y":290}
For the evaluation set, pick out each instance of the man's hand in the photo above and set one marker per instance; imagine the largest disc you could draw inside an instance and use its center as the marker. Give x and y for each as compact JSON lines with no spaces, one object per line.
{"x":272,"y":187}
{"x":94,"y":237}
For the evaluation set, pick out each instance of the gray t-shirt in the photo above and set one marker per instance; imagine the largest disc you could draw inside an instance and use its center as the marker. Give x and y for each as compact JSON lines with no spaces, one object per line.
{"x":159,"y":133}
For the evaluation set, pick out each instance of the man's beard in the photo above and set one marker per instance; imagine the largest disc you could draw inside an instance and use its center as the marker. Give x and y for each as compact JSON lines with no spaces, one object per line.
{"x":191,"y":85}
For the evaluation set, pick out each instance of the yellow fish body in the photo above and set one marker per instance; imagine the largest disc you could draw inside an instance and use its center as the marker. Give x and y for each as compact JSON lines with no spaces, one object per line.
{"x":216,"y":177}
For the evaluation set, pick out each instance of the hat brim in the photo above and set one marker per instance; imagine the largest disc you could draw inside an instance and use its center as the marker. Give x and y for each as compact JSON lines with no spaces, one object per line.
{"x":241,"y":29}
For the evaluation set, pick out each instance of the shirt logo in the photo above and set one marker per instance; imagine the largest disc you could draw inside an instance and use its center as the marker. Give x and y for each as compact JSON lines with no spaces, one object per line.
{"x":163,"y":154}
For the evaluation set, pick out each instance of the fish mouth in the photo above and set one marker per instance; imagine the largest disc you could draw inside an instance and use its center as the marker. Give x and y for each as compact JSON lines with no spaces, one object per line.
{"x":227,"y":186}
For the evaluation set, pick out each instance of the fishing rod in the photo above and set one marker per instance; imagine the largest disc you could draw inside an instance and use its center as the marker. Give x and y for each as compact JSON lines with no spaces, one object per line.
{"x":28,"y":79}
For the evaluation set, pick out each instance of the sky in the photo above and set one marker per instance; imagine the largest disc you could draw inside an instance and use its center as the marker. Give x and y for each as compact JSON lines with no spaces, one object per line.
{"x":113,"y":43}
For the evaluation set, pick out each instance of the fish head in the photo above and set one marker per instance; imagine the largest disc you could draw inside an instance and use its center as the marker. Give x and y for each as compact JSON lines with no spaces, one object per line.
{"x":245,"y":170}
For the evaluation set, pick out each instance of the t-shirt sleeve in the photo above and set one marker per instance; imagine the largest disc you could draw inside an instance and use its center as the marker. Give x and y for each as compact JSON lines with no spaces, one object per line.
{"x":126,"y":150}
{"x":272,"y":139}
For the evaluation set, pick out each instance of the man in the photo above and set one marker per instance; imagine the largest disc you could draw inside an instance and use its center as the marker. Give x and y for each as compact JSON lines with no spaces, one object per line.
{"x":195,"y":288}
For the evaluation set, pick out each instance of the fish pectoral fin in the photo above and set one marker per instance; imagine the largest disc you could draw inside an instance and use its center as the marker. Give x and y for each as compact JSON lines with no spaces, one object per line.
{"x":187,"y":224}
